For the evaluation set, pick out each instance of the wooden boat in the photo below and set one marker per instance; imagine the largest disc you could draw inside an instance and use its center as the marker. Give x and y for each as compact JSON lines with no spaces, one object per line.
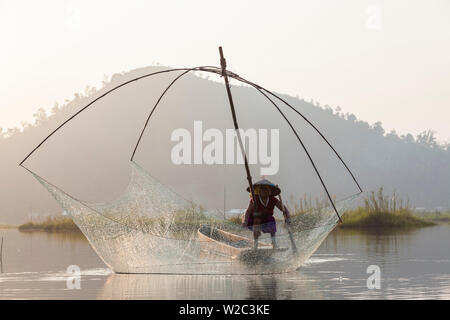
{"x":220,"y":243}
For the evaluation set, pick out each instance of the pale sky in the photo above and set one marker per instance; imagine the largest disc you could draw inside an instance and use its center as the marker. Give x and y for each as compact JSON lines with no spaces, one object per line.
{"x":385,"y":61}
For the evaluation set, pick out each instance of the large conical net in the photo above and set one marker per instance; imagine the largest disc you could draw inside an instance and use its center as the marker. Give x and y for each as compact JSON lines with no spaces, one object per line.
{"x":151,"y":229}
{"x":185,"y":218}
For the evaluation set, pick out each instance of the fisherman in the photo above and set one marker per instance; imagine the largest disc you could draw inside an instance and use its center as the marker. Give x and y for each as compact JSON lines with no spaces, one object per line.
{"x":260,"y":218}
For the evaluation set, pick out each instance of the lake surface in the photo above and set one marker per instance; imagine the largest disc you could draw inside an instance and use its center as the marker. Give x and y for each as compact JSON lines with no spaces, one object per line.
{"x":413,"y":264}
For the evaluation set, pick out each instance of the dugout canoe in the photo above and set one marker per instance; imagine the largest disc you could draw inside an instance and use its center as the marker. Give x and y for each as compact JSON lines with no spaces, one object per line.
{"x":218,"y":242}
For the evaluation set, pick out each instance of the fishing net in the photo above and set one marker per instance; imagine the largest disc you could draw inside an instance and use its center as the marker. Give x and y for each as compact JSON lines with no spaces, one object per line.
{"x":184,"y":218}
{"x":151,"y":229}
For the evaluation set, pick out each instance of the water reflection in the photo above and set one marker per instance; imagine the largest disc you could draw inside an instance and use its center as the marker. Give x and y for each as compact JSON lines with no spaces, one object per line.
{"x":248,"y":287}
{"x":44,"y":252}
{"x":414,"y":264}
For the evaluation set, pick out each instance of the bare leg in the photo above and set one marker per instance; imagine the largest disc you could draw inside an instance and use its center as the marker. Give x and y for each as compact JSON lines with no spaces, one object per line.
{"x":255,"y":239}
{"x":256,"y":232}
{"x":274,"y":243}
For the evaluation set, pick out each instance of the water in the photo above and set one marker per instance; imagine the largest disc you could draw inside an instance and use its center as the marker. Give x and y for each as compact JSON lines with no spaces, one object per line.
{"x":414,"y":264}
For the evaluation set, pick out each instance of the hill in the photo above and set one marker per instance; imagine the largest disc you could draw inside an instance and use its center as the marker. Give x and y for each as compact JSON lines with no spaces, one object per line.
{"x":88,"y":157}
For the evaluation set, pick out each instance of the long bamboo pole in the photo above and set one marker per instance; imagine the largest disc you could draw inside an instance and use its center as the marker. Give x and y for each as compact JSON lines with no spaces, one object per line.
{"x":223,"y":64}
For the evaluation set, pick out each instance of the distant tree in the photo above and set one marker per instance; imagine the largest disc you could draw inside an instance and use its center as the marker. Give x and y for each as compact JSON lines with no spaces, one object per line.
{"x":393,"y":135}
{"x":55,"y":108}
{"x":88,"y":91}
{"x":427,"y":138}
{"x":25,"y":125}
{"x":377,"y":128}
{"x":351,"y":117}
{"x":12,"y":131}
{"x":327,"y":108}
{"x":39,"y":117}
{"x":363,"y":124}
{"x":105,"y":80}
{"x":115,"y":77}
{"x":409,"y":138}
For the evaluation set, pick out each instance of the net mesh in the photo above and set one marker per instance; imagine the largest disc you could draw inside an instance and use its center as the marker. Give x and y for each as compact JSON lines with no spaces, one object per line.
{"x":152,"y":229}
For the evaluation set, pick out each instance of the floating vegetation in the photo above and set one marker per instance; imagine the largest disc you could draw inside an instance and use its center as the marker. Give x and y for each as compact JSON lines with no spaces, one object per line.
{"x":381,"y":211}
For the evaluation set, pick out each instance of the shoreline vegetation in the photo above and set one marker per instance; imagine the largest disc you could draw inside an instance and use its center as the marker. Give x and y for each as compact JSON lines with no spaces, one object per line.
{"x":362,"y":219}
{"x":378,"y":212}
{"x":51,"y":224}
{"x":385,"y":212}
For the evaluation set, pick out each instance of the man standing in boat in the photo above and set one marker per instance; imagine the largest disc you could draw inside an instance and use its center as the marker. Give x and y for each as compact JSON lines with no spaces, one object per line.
{"x":259,"y":215}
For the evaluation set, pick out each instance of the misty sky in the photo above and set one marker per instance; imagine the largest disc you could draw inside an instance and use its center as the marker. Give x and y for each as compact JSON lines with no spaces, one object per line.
{"x":385,"y":61}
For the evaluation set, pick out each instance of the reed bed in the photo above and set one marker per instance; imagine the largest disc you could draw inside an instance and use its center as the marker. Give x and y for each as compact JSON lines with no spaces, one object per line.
{"x":51,"y":224}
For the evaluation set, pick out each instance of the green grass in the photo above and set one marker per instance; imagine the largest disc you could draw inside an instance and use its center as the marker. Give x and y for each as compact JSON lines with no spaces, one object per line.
{"x":183,"y":225}
{"x":362,"y":218}
{"x":383,"y":212}
{"x":51,"y":224}
{"x":378,"y":212}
